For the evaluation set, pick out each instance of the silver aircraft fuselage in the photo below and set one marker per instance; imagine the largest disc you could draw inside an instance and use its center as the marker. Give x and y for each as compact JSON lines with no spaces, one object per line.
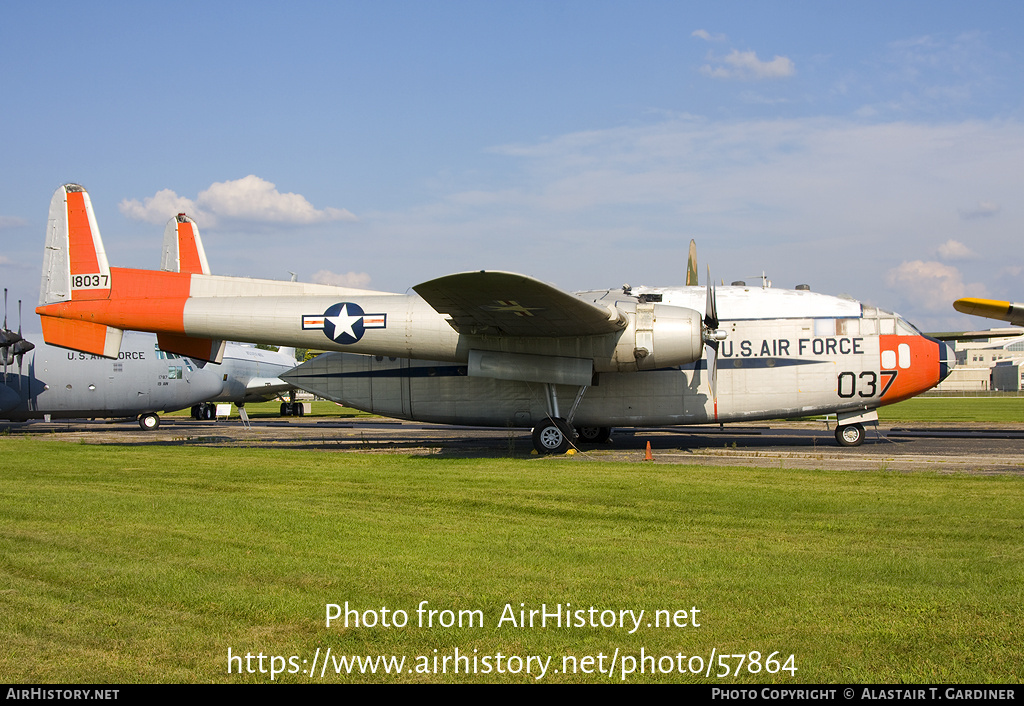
{"x":62,"y":383}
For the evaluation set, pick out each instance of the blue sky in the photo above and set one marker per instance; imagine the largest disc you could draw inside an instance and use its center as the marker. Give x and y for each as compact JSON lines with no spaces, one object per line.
{"x":871,"y":149}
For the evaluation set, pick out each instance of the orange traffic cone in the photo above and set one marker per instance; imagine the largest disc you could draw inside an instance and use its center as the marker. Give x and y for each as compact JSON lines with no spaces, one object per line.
{"x":647,"y":456}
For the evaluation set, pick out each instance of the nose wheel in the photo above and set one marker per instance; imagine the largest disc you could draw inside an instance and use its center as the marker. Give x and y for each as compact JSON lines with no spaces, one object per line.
{"x":850,"y":434}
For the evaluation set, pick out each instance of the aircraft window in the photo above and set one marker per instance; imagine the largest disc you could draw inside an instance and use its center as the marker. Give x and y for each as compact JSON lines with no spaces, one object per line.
{"x":174,"y":372}
{"x":847,"y":327}
{"x":887,"y":326}
{"x":868,"y":327}
{"x":164,"y":355}
{"x":825,"y":327}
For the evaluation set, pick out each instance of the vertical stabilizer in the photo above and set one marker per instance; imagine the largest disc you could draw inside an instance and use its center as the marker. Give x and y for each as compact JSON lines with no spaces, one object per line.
{"x":74,"y":262}
{"x":183,"y":248}
{"x":183,"y":252}
{"x":691,"y":266}
{"x":75,"y":268}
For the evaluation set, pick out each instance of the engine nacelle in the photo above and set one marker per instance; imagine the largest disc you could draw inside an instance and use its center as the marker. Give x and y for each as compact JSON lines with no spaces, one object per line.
{"x":662,"y":336}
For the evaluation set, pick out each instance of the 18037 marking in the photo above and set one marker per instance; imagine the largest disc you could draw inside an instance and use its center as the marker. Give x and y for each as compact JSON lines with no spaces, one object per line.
{"x":89,"y":281}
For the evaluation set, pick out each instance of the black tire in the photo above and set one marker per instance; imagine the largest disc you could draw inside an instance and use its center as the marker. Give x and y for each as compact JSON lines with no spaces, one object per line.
{"x":285,"y":409}
{"x":549,"y":437}
{"x":197,"y":412}
{"x":209,"y":411}
{"x":149,"y":421}
{"x":850,"y":434}
{"x":594,"y":435}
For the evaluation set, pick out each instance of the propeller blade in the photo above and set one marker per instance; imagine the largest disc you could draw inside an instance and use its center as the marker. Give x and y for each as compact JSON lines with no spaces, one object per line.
{"x":711,"y":310}
{"x":712,"y":336}
{"x":20,"y":346}
{"x":713,"y":361}
{"x":8,"y":338}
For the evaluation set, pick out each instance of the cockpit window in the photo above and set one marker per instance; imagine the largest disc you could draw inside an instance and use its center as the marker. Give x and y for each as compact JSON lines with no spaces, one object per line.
{"x":164,"y":355}
{"x":905,"y":328}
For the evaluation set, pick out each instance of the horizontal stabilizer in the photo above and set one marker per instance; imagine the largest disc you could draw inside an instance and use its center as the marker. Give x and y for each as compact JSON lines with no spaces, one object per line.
{"x":507,"y":304}
{"x":199,"y":348}
{"x":82,"y":336}
{"x":183,"y":248}
{"x":266,"y":386}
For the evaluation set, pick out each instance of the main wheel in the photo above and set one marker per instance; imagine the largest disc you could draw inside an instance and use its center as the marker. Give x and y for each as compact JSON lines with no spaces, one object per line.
{"x":149,"y":421}
{"x":550,"y":437}
{"x":850,"y":435}
{"x":594,"y":435}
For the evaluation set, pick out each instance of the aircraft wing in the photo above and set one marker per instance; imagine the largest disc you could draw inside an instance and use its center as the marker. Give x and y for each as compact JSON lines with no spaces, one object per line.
{"x":991,"y":309}
{"x":508,"y":304}
{"x":976,"y":335}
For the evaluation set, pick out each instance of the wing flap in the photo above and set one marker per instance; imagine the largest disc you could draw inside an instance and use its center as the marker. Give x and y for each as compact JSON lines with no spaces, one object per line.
{"x":508,"y":304}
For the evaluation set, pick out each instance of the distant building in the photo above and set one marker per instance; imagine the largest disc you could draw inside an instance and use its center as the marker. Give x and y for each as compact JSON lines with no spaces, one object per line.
{"x":992,"y":364}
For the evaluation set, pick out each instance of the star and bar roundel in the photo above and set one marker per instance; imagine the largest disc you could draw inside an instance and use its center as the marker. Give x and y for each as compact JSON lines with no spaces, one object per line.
{"x":344,"y":322}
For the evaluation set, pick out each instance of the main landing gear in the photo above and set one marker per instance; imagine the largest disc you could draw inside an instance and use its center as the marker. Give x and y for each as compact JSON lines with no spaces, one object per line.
{"x":204,"y":411}
{"x":594,"y":435}
{"x":553,"y":436}
{"x":556,"y":434}
{"x":292,"y":409}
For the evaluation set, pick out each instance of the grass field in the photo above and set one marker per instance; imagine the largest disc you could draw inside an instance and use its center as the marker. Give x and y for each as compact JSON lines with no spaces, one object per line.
{"x":996,"y":410}
{"x":148,"y":564}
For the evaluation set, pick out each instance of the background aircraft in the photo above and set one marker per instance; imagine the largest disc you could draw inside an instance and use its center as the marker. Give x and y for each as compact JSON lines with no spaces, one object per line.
{"x":510,"y":350}
{"x":251,"y":374}
{"x":991,"y":309}
{"x":140,"y":382}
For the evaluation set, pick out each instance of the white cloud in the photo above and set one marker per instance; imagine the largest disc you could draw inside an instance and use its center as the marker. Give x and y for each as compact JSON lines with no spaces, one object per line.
{"x":356,"y":280}
{"x":984,"y":209}
{"x":955,"y":250}
{"x":707,"y":36}
{"x":248,"y":199}
{"x":4,"y":260}
{"x":745,"y":66}
{"x":162,"y":206}
{"x":931,"y":286}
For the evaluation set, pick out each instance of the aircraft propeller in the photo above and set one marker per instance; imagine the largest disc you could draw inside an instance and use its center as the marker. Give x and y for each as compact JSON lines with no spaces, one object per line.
{"x":13,"y":344}
{"x":713,"y":336}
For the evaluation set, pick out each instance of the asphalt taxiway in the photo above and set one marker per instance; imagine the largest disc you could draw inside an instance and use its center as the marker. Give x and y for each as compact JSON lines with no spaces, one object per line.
{"x":964,"y":448}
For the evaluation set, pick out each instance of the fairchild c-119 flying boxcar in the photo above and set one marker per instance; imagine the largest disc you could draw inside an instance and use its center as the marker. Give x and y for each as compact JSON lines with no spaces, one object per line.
{"x":502,"y":349}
